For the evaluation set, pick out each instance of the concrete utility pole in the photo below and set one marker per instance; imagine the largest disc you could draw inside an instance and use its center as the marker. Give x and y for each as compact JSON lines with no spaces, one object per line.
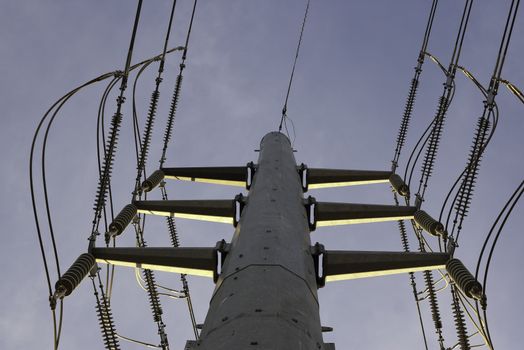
{"x":268,"y":275}
{"x":266,"y":296}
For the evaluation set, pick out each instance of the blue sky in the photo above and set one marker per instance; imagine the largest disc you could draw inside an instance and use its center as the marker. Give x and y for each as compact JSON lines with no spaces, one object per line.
{"x":350,"y":86}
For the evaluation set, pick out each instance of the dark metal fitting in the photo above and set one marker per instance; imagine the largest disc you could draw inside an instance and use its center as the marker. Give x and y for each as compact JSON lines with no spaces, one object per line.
{"x":241,"y":200}
{"x":394,"y":166}
{"x":120,"y":99}
{"x":251,"y":169}
{"x":58,"y":294}
{"x":311,"y":210}
{"x":303,"y":172}
{"x":318,"y":253}
{"x":92,"y":241}
{"x":221,"y":248}
{"x":420,"y":62}
{"x":490,"y":100}
{"x":418,"y":201}
{"x":182,"y":66}
{"x":118,"y":73}
{"x":317,"y":249}
{"x":451,"y":245}
{"x":449,"y":81}
{"x":158,"y":80}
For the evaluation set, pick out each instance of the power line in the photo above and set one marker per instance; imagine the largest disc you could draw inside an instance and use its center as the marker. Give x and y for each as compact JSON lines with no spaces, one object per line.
{"x":284,"y":109}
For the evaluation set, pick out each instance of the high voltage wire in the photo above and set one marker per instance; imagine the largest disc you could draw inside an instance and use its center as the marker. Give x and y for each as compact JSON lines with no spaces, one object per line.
{"x":297,"y":52}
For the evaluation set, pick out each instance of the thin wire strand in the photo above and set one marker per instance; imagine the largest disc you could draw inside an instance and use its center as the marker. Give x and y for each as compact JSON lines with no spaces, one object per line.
{"x":284,"y":108}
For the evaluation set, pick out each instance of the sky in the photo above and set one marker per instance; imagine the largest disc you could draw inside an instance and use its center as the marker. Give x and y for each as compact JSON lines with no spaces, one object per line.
{"x":350,"y":86}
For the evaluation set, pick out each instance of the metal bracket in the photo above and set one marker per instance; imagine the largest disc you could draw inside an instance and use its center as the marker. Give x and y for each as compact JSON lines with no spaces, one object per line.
{"x":221,"y":250}
{"x":237,"y":210}
{"x":418,"y":201}
{"x":251,"y":169}
{"x":311,"y":209}
{"x":303,"y":172}
{"x":317,"y":252}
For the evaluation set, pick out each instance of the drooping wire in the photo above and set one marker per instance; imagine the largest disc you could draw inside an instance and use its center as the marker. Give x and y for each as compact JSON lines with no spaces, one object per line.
{"x":507,"y":210}
{"x":410,"y":102}
{"x":142,"y":148}
{"x":443,"y":106}
{"x":514,"y":90}
{"x":114,"y":131}
{"x":284,"y":108}
{"x":49,"y":117}
{"x":56,"y":107}
{"x":463,"y":198}
{"x":146,"y":139}
{"x":432,"y":137}
{"x":106,"y":322}
{"x":167,"y":138}
{"x":401,"y":138}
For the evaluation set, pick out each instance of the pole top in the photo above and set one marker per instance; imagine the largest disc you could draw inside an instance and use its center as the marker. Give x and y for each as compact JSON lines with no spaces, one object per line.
{"x":275,"y":134}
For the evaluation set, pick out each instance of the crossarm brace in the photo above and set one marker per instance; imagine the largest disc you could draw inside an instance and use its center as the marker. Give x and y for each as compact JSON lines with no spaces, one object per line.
{"x":346,"y":265}
{"x":332,"y":214}
{"x":325,"y":178}
{"x":191,"y":261}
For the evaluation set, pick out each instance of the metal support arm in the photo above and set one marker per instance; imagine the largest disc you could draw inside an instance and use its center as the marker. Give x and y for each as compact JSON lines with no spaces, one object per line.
{"x":324,"y":178}
{"x":331,"y":214}
{"x":191,"y":261}
{"x":345,"y":265}
{"x":233,"y":176}
{"x":207,"y":210}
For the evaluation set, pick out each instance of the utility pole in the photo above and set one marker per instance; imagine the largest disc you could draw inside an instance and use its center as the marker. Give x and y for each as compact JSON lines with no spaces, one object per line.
{"x":267,"y":277}
{"x":266,"y":296}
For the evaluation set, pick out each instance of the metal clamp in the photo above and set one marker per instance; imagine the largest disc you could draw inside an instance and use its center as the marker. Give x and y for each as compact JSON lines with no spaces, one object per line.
{"x":303,"y":172}
{"x":311,"y":209}
{"x":242,"y":201}
{"x":318,"y":253}
{"x":251,"y":169}
{"x":221,"y":250}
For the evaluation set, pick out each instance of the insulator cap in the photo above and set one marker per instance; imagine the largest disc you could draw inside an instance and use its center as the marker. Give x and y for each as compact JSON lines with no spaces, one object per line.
{"x":464,"y":279}
{"x":122,"y":220}
{"x":76,"y":273}
{"x":399,"y":185}
{"x":153,"y":180}
{"x":429,"y":224}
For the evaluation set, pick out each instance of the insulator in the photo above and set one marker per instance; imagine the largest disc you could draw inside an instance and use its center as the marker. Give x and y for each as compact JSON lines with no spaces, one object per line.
{"x":154,"y":301}
{"x":429,"y":224}
{"x":470,"y":177}
{"x":460,"y":324}
{"x":403,"y":235}
{"x":435,"y":312}
{"x":172,"y":231}
{"x":399,"y":185}
{"x":153,"y":180}
{"x":148,"y":129}
{"x":123,"y":219}
{"x":107,"y":166}
{"x":464,"y":279}
{"x":401,"y":138}
{"x":434,"y":138}
{"x":75,"y":274}
{"x":107,"y":326}
{"x":172,"y":109}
